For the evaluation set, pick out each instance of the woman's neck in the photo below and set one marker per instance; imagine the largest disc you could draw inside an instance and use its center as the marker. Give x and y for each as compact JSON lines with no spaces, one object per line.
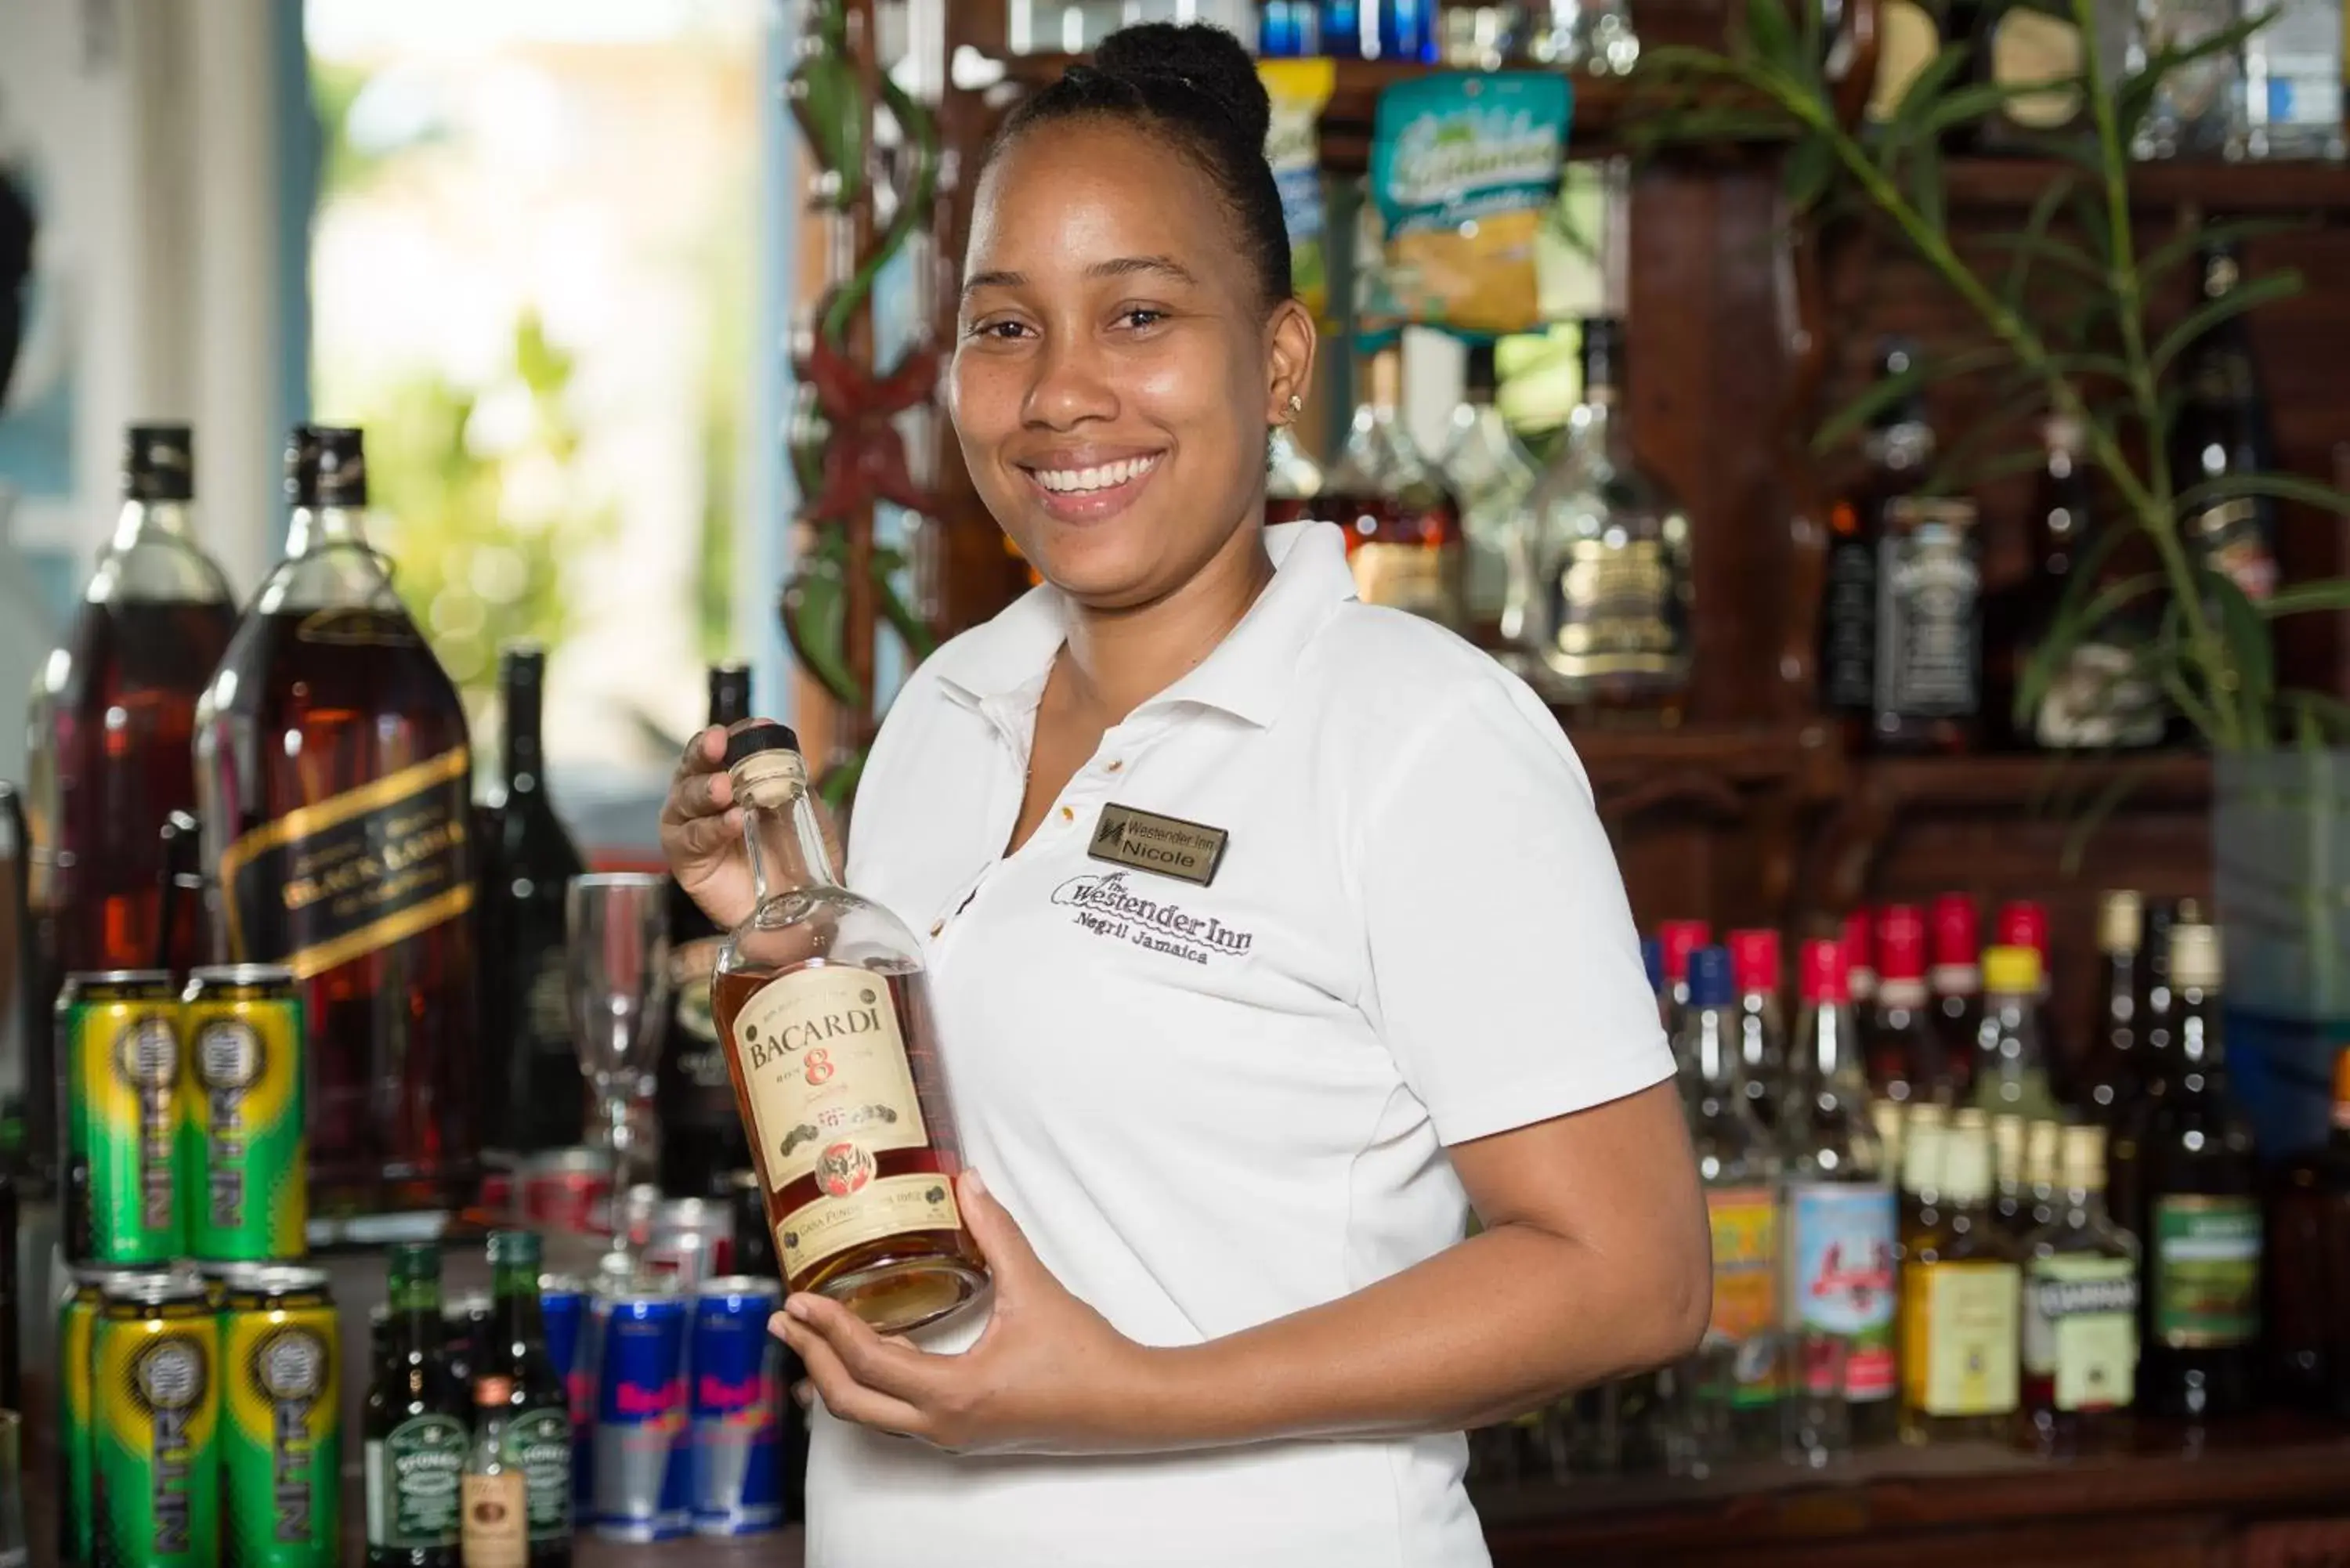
{"x":1118,"y":659}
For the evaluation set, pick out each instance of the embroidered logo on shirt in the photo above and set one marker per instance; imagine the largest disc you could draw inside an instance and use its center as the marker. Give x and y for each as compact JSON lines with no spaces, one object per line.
{"x":1149,"y":842}
{"x":1109,"y":908}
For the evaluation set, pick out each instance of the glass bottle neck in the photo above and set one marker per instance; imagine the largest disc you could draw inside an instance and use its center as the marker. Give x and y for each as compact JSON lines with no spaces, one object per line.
{"x":315,"y":528}
{"x":514,"y":1289}
{"x":1830,"y":1051}
{"x":1714,"y":1049}
{"x":523,"y":757}
{"x":154,"y":519}
{"x":785,"y":837}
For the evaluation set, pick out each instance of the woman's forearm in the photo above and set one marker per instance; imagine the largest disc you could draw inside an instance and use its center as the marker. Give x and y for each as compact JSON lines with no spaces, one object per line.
{"x":1504,"y":1322}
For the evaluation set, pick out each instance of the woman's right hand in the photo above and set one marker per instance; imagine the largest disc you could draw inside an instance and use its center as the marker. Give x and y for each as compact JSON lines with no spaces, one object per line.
{"x":701,"y":833}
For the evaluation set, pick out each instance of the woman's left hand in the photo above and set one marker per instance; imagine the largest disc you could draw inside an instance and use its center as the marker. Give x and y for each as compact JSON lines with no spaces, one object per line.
{"x":1048,"y":1374}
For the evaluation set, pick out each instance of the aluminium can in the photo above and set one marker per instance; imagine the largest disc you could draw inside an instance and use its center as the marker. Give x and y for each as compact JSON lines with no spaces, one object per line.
{"x":155,"y":1444}
{"x":563,"y":1307}
{"x":78,"y":1308}
{"x":130,"y":1142}
{"x":244,"y":1027}
{"x":692,"y":1237}
{"x":568,"y":1189}
{"x":736,"y":1407}
{"x":281,"y":1442}
{"x":641,"y":1451}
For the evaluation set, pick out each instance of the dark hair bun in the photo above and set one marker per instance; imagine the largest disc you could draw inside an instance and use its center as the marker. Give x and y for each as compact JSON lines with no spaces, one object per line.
{"x":1207,"y":60}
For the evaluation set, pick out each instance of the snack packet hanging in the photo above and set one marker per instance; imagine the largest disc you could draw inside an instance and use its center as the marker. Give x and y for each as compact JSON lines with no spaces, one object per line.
{"x":1464,"y":168}
{"x":1299,"y":89}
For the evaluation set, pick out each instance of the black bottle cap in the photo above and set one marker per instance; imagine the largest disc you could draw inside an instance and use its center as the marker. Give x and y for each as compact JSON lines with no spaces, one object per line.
{"x":764,"y":735}
{"x":1898,"y":356}
{"x":521,"y":663}
{"x":159,"y":464}
{"x":325,"y":465}
{"x":1482,"y":380}
{"x":730,"y":693}
{"x":1603,"y":353}
{"x":2222,"y":267}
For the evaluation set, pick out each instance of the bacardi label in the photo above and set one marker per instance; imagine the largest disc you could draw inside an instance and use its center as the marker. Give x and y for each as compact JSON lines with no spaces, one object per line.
{"x":891,"y":1206}
{"x":823,"y":1067}
{"x":1617,"y":611}
{"x":356,"y":872}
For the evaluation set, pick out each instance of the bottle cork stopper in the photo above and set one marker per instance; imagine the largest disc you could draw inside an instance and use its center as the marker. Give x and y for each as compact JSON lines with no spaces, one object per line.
{"x":2084,"y":1157}
{"x":2121,"y":920}
{"x":1966,"y":1159}
{"x":2195,"y":955}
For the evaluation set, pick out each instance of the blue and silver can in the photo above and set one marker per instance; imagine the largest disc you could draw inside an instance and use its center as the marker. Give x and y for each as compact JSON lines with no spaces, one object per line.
{"x":738,"y":1393}
{"x":563,"y":1307}
{"x":642,"y":1452}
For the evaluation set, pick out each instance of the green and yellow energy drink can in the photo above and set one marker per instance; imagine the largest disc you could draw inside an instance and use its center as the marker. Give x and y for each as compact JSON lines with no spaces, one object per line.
{"x":155,"y":1416}
{"x":242,"y":1028}
{"x":77,"y":1328}
{"x":281,"y":1431}
{"x":130,"y":1148}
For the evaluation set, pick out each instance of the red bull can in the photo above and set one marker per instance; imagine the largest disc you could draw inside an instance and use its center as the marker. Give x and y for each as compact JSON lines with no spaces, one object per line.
{"x":563,"y":1307}
{"x":737,"y":1409}
{"x":642,"y":1452}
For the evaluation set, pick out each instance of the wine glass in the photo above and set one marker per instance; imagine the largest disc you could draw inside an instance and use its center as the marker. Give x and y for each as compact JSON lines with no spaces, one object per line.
{"x":616,"y":960}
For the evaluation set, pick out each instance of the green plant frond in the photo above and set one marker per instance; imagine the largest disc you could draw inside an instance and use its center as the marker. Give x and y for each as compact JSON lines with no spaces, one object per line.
{"x":2128,"y":776}
{"x":2303,"y":597}
{"x":1928,"y":87}
{"x":1981,"y":473}
{"x":2248,"y":295}
{"x":1773,"y":39}
{"x":2034,"y":236}
{"x":2275,"y":486}
{"x":1880,"y":394}
{"x":2251,"y":647}
{"x":1809,"y":175}
{"x":2079,"y":614}
{"x":2023,"y":249}
{"x":2180,"y":248}
{"x":2327,"y":716}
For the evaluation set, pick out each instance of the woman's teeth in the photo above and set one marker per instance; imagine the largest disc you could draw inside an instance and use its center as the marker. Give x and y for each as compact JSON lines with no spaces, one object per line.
{"x":1080,"y":479}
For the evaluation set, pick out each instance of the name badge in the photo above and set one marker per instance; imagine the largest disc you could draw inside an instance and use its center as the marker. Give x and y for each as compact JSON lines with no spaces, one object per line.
{"x":1148,"y":842}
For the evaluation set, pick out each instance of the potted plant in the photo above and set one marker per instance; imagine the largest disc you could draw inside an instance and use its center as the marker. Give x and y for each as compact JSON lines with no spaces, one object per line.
{"x":2101,"y":358}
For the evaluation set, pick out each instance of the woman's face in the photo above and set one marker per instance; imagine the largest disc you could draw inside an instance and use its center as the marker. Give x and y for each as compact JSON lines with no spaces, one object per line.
{"x":1115,"y":370}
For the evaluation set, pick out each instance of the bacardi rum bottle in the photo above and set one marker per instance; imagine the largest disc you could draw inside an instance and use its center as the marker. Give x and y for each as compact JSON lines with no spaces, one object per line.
{"x":337,"y":782}
{"x":114,"y":717}
{"x":821,"y":999}
{"x":1403,"y":526}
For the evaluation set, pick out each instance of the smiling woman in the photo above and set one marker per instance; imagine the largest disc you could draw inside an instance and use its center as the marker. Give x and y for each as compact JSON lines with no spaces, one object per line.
{"x":1267,"y":933}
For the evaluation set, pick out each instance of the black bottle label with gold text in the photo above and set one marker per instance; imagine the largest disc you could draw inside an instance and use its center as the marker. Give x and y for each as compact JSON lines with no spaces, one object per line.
{"x":337,"y":879}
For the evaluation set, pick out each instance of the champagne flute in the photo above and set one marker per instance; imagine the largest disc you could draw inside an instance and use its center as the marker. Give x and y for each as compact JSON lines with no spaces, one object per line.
{"x":616,"y":959}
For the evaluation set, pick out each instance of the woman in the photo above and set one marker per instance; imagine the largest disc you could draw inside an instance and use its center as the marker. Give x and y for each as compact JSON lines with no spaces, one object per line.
{"x":1225,"y":1117}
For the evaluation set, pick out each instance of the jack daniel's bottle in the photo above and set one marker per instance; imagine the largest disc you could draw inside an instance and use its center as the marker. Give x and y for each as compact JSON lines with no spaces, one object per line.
{"x":336,"y":778}
{"x":701,"y":1137}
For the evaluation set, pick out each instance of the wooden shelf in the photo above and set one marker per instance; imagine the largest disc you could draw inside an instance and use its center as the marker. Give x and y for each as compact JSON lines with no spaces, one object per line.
{"x":1735,"y":753}
{"x":2035,"y":781}
{"x":2270,"y":1465}
{"x":2277,"y":189}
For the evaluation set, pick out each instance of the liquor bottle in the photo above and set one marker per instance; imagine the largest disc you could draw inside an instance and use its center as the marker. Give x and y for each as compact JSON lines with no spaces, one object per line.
{"x":534,"y":1419}
{"x":2199,"y":1325}
{"x":2307,"y":1292}
{"x":2104,"y":698}
{"x":1860,"y":956}
{"x":2109,"y":1080}
{"x":2011,"y":1200}
{"x":414,"y":1426}
{"x":492,"y":1492}
{"x":1480,"y":36}
{"x":1290,"y":29}
{"x":336,"y":779}
{"x":1679,"y":938}
{"x":1925,"y":1131}
{"x":1652,"y":964}
{"x":535,"y":1080}
{"x":2292,"y":83}
{"x":1410,"y":31}
{"x":1961,"y":1299}
{"x":2011,"y":1070}
{"x":1956,"y":983}
{"x":1598,"y":613}
{"x":115,"y":712}
{"x":2080,"y":1308}
{"x":2223,"y":430}
{"x":2037,"y":57}
{"x":1596,"y":37}
{"x":2023,"y":923}
{"x":1403,"y":527}
{"x":1838,"y":1228}
{"x":1761,"y":1038}
{"x":1489,"y":470}
{"x":701,"y":1137}
{"x":2157,"y":1013}
{"x":1343,"y":28}
{"x":1293,"y":480}
{"x":821,"y":998}
{"x":2043,"y":1169}
{"x":1928,"y":677}
{"x":1740,"y":1168}
{"x":2198,"y":108}
{"x":1903,"y":1052}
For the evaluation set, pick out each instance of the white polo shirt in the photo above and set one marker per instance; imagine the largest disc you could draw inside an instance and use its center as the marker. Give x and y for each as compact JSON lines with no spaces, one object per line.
{"x":1210,"y":1107}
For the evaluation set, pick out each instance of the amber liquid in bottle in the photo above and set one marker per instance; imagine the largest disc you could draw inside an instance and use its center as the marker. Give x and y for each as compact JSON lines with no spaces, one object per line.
{"x":820,"y":998}
{"x":114,"y":720}
{"x":335,"y":768}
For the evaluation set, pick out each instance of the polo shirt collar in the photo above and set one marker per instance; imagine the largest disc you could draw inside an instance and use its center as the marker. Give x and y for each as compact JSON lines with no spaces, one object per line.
{"x":1248,"y":675}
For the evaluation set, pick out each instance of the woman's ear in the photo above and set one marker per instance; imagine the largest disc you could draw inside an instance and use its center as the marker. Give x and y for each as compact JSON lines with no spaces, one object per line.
{"x":1290,"y":343}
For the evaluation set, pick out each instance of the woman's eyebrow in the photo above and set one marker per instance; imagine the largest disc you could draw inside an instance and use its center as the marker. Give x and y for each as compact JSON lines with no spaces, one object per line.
{"x":1119,"y":267}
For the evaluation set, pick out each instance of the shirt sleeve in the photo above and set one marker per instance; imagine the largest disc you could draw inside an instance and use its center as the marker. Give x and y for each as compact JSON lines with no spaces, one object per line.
{"x":1505,"y":972}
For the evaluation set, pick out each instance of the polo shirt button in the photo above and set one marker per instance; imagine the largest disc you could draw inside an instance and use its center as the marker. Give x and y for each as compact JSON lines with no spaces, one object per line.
{"x":938,"y":926}
{"x":1067,"y":816}
{"x":1115,"y":766}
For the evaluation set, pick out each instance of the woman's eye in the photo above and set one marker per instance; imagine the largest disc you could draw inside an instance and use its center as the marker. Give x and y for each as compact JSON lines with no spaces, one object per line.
{"x":1001,"y":331}
{"x":1142,"y":316}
